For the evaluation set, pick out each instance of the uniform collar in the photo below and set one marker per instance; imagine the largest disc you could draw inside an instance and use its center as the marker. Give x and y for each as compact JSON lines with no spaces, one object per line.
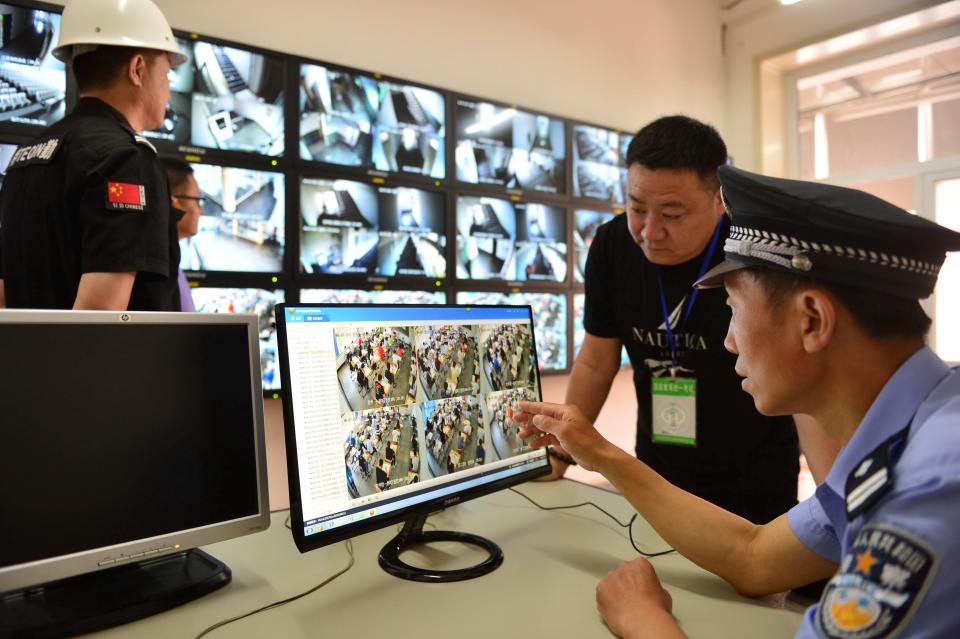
{"x":891,"y":411}
{"x":96,"y":106}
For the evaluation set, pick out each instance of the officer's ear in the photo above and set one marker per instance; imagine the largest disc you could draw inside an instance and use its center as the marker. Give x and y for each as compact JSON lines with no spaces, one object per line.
{"x":816,"y":312}
{"x":138,"y":68}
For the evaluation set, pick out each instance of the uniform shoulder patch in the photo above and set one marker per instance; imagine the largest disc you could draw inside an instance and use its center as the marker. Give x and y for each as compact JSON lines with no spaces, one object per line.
{"x":126,"y":196}
{"x":139,"y":139}
{"x":41,"y":152}
{"x":882,"y":578}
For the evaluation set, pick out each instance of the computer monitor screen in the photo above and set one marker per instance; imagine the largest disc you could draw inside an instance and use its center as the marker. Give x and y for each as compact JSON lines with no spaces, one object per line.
{"x":579,"y":333}
{"x":258,"y":301}
{"x":353,"y":227}
{"x":33,"y":84}
{"x":499,"y":239}
{"x":509,"y":147}
{"x":549,"y":319}
{"x":225,"y":98}
{"x":242,"y":226}
{"x":358,"y":296}
{"x":398,"y":410}
{"x":599,"y":167}
{"x":139,"y":459}
{"x":354,"y":119}
{"x":585,"y":224}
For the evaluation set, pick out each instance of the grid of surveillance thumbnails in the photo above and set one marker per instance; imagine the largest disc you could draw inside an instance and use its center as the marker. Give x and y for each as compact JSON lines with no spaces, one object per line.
{"x":422,"y":402}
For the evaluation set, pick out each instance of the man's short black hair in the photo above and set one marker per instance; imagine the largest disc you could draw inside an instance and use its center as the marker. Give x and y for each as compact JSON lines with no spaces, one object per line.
{"x":177,"y":173}
{"x":879,"y":316}
{"x":679,"y":142}
{"x":100,"y":68}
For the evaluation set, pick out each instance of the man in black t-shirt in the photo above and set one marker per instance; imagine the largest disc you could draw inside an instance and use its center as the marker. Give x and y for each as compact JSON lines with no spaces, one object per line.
{"x":695,"y":425}
{"x":85,"y":214}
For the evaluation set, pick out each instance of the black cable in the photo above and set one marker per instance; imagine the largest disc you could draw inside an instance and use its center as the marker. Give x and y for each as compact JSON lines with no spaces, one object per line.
{"x":276,"y":604}
{"x":628,"y":525}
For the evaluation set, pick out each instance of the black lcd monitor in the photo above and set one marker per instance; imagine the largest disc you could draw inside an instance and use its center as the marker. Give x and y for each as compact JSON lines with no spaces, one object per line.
{"x":585,"y":225}
{"x":356,"y":228}
{"x":152,"y":446}
{"x":509,"y":147}
{"x":360,"y":296}
{"x":599,"y":166}
{"x":515,"y":241}
{"x":33,"y":84}
{"x":393,"y":412}
{"x":225,"y":98}
{"x":260,"y":302}
{"x":242,"y":226}
{"x":549,"y":319}
{"x":353,"y":119}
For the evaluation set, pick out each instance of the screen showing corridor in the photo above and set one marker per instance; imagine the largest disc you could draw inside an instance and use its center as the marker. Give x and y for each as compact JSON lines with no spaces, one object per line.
{"x":395,"y":406}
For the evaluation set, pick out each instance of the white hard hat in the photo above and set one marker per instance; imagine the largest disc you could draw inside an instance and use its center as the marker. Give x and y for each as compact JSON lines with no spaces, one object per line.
{"x":87,"y":24}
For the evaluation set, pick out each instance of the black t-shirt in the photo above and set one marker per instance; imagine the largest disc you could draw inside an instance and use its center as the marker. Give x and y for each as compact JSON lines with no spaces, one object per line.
{"x":743,"y":461}
{"x":88,"y":195}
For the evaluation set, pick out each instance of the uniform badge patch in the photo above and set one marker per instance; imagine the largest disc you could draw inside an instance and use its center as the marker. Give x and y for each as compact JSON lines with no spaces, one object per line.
{"x":882,"y":577}
{"x":126,"y":196}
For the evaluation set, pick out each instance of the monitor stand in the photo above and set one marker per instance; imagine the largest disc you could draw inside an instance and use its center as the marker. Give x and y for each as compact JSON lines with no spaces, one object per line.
{"x":413,"y":534}
{"x":107,"y":598}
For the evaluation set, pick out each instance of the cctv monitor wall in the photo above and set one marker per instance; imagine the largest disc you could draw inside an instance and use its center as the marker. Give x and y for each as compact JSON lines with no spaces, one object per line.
{"x":225,"y":98}
{"x":394,"y":411}
{"x":242,"y":226}
{"x":499,"y":239}
{"x":33,"y":83}
{"x":353,"y":119}
{"x":355,"y":228}
{"x":357,"y":296}
{"x":599,"y":168}
{"x":549,"y":319}
{"x":258,"y":301}
{"x":585,"y":225}
{"x":509,"y":147}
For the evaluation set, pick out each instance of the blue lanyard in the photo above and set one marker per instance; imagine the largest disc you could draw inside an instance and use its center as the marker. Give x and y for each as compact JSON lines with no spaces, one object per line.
{"x":671,"y":337}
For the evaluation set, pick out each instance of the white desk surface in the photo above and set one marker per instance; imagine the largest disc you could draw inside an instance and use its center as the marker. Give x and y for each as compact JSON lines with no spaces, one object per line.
{"x":545,"y":587}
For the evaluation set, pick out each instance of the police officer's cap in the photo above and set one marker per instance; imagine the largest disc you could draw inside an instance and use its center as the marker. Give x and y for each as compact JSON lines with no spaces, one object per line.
{"x":829,"y":233}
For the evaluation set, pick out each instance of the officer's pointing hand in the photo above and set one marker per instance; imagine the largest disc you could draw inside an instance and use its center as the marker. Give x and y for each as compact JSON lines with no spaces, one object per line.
{"x":562,"y":424}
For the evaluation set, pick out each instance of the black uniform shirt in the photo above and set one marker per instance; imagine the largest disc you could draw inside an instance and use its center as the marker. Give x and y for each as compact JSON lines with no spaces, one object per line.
{"x":743,"y":461}
{"x":87,"y":196}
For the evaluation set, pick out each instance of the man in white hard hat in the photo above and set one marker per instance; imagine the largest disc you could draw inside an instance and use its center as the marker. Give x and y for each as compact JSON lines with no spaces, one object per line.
{"x":85,"y":214}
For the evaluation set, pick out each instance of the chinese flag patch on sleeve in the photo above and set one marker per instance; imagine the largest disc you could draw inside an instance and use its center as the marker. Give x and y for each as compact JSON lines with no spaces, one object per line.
{"x":127,"y":196}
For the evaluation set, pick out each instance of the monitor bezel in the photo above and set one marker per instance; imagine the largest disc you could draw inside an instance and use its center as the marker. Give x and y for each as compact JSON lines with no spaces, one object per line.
{"x":498,"y":190}
{"x":18,"y":576}
{"x":208,"y":155}
{"x":325,"y":538}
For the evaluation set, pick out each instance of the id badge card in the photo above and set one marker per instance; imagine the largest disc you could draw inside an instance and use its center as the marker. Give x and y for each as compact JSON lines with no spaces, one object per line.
{"x":674,"y":411}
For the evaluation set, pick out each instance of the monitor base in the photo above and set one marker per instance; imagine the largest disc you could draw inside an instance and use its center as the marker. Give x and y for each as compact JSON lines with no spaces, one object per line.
{"x":413,"y":534}
{"x":107,"y":598}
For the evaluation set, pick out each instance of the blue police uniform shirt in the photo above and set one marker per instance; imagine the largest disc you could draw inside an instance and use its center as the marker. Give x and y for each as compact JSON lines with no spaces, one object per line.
{"x":898,"y":550}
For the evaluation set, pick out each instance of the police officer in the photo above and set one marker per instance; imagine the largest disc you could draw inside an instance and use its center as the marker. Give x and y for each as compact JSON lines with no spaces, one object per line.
{"x":85,"y":215}
{"x":824,"y":283}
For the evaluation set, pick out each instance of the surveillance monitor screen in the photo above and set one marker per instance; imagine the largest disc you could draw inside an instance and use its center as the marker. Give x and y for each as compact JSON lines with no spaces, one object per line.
{"x":499,"y":239}
{"x":33,"y":84}
{"x":585,"y":224}
{"x":508,"y":147}
{"x":242,"y":226}
{"x":225,"y":98}
{"x":549,"y":319}
{"x":353,"y":227}
{"x":396,"y":407}
{"x":358,"y":296}
{"x":353,"y":119}
{"x":248,"y":300}
{"x":598,"y":163}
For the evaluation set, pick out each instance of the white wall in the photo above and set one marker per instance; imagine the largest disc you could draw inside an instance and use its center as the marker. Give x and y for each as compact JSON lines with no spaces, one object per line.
{"x":757,"y":29}
{"x":606,"y":61}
